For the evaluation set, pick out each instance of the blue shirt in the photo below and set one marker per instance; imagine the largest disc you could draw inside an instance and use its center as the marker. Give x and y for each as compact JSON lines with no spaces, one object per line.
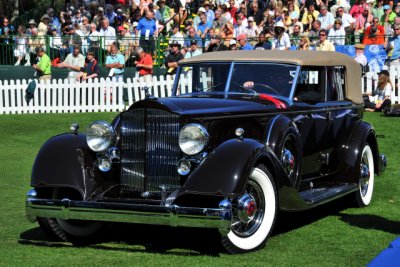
{"x":396,"y":47}
{"x":247,"y":46}
{"x":197,"y":38}
{"x":118,"y":58}
{"x":145,"y":24}
{"x":202,"y":27}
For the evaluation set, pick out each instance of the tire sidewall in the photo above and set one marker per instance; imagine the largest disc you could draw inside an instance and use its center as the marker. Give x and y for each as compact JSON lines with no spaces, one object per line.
{"x":364,"y":201}
{"x":263,"y":178}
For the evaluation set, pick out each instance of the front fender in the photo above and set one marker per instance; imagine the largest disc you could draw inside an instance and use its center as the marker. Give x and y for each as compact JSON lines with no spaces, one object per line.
{"x":65,"y":160}
{"x":225,"y":171}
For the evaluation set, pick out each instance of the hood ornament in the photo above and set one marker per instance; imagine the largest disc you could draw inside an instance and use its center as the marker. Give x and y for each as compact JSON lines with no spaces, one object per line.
{"x":147,"y":94}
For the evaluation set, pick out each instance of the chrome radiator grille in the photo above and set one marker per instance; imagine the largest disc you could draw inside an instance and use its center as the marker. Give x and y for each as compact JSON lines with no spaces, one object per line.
{"x":149,"y":151}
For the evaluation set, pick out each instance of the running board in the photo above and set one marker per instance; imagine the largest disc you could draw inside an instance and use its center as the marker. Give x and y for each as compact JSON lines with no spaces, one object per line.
{"x":320,"y":195}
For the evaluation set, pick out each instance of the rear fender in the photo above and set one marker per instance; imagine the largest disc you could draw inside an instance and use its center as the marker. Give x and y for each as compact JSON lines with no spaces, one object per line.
{"x":65,"y":160}
{"x":350,"y":154}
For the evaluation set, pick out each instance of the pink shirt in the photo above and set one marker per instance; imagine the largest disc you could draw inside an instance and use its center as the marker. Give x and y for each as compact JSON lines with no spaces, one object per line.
{"x":356,"y":10}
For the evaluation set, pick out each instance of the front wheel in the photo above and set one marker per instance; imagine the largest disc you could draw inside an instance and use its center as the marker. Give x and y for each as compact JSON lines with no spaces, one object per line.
{"x":366,"y":180}
{"x":254,"y":213}
{"x":75,"y":231}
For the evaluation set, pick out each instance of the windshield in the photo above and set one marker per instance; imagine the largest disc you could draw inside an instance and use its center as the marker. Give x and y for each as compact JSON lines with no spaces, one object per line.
{"x":237,"y":78}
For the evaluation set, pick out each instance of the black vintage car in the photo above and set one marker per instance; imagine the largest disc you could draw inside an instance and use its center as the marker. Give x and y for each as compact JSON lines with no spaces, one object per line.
{"x":243,"y":135}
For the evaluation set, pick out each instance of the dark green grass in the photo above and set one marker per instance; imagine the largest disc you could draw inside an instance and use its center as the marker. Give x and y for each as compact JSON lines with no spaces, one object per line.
{"x":331,"y":235}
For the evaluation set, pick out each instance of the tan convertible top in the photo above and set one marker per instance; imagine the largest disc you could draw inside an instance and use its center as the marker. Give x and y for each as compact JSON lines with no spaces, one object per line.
{"x":301,"y":58}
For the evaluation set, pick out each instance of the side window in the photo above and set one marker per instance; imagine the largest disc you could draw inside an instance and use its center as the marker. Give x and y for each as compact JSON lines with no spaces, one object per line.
{"x":309,"y":85}
{"x":335,"y":83}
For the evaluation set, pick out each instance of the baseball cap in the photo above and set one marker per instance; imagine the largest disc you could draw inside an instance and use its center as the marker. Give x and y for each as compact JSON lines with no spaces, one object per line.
{"x":250,"y":19}
{"x":385,"y":72}
{"x":386,"y":7}
{"x":232,"y":42}
{"x":193,"y":42}
{"x":201,"y":9}
{"x":175,"y":43}
{"x":134,"y":24}
{"x":123,"y":27}
{"x":242,"y":36}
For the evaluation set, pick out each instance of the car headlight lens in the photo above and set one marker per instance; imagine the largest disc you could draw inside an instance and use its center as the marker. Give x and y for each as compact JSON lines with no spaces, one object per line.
{"x":100,"y":136}
{"x":192,"y":139}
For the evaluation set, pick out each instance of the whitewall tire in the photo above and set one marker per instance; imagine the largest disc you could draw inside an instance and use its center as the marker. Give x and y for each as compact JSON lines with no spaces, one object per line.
{"x":254,"y":213}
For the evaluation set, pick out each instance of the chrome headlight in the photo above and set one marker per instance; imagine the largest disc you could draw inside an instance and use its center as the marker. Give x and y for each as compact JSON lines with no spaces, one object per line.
{"x":193,"y":138}
{"x":100,"y":136}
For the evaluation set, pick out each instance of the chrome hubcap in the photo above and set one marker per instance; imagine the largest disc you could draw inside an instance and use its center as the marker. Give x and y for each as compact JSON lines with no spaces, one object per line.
{"x":247,"y":207}
{"x":288,"y":161}
{"x":248,"y":212}
{"x":364,"y":176}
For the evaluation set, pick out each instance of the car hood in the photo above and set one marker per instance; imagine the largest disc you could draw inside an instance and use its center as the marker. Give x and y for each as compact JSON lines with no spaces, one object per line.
{"x":215,"y":105}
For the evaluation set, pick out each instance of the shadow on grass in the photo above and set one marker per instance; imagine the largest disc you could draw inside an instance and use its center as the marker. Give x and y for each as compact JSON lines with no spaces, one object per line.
{"x":151,"y":239}
{"x":372,"y":222}
{"x":289,"y":221}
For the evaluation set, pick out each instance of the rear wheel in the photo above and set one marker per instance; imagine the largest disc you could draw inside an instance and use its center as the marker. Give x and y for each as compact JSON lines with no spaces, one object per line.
{"x":75,"y":231}
{"x":367,"y":176}
{"x":254,"y":213}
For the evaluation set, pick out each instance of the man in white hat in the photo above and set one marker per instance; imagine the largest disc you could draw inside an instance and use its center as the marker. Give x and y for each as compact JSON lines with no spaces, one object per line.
{"x":281,"y":38}
{"x":251,"y":30}
{"x":196,"y":19}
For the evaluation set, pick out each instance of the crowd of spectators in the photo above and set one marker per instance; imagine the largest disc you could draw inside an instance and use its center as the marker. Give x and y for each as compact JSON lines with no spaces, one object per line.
{"x":197,"y":26}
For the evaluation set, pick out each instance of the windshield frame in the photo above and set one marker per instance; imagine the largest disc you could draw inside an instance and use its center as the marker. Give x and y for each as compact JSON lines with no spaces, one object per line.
{"x":229,"y":78}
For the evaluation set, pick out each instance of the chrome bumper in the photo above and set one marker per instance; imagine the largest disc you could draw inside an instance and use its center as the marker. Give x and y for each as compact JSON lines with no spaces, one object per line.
{"x":173,"y":215}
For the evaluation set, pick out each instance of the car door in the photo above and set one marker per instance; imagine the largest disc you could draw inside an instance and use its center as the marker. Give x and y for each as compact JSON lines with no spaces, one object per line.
{"x":312,"y":119}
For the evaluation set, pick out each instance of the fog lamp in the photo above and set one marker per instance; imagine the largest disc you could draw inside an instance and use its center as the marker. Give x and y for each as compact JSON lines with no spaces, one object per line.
{"x":105,"y":164}
{"x":184,"y":167}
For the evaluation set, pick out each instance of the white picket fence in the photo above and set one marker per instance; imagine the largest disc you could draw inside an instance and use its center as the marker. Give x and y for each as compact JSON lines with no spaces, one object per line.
{"x":97,"y":95}
{"x":370,"y":81}
{"x":68,"y":96}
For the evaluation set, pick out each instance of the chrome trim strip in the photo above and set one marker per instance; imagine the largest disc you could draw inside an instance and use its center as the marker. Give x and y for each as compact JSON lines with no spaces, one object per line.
{"x":132,"y":213}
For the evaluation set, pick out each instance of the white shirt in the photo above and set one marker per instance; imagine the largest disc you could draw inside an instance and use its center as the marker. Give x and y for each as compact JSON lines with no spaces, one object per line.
{"x":283,"y":42}
{"x":327,"y":20}
{"x":361,"y":59}
{"x":178,"y":37}
{"x":238,"y":30}
{"x":251,"y":31}
{"x":337,"y":37}
{"x":347,"y":19}
{"x":109,"y":35}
